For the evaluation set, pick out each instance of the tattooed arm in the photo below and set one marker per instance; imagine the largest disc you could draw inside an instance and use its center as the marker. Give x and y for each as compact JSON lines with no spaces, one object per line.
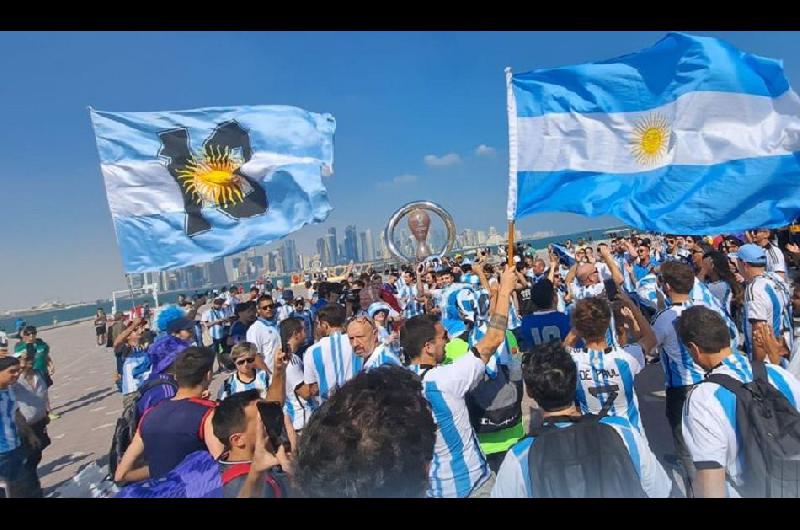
{"x":498,"y":322}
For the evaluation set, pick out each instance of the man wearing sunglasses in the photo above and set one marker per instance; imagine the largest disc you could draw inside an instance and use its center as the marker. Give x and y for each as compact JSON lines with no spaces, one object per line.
{"x":264,"y":333}
{"x":246,"y":376}
{"x":674,"y":251}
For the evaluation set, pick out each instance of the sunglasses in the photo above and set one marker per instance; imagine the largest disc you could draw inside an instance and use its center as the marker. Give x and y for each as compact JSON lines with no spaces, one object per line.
{"x":246,"y":360}
{"x":265,"y":307}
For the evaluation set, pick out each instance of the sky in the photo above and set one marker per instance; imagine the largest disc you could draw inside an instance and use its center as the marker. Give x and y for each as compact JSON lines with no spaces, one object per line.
{"x":420,"y":116}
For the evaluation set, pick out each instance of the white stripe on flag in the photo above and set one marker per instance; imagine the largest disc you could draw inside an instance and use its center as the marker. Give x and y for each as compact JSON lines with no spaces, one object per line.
{"x":707,"y":128}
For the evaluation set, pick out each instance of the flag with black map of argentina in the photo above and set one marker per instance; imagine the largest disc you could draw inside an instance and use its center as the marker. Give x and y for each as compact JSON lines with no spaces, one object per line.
{"x":188,"y":187}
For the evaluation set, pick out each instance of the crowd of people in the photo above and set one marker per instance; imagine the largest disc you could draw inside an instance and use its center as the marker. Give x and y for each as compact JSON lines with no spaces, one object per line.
{"x":409,"y":382}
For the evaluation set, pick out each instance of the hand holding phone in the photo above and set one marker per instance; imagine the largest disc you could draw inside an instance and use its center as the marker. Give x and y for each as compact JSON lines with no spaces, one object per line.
{"x":271,"y":413}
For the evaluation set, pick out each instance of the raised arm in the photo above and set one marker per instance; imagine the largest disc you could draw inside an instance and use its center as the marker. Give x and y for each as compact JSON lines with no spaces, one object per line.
{"x":498,"y":322}
{"x":616,"y":274}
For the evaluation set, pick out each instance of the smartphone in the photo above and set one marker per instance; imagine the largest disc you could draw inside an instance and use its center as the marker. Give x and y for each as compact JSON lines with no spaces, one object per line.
{"x":272,"y":417}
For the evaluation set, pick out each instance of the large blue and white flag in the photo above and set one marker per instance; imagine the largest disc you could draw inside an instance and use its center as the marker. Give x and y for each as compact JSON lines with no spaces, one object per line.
{"x":191,"y":186}
{"x":689,"y":136}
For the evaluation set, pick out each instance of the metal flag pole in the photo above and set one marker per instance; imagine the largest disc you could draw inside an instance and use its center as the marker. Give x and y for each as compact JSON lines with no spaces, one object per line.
{"x":130,"y":290}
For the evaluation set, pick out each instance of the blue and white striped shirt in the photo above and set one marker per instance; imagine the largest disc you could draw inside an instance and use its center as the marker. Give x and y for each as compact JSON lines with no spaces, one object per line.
{"x":459,"y":465}
{"x":709,"y":416}
{"x":135,"y":369}
{"x":411,"y":307}
{"x":330,"y":363}
{"x":298,"y":410}
{"x":723,"y":294}
{"x":514,"y":480}
{"x":234,"y":385}
{"x":9,"y":438}
{"x":380,"y":356}
{"x":217,"y":332}
{"x":600,"y":373}
{"x":768,"y":298}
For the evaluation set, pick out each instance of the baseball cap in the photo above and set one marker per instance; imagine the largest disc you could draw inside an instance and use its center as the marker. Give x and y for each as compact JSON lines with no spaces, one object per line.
{"x":754,"y":254}
{"x":180,"y":324}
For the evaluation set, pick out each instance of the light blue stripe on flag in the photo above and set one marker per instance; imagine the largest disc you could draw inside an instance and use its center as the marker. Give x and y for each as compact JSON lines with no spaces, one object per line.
{"x":188,"y":187}
{"x":658,"y":138}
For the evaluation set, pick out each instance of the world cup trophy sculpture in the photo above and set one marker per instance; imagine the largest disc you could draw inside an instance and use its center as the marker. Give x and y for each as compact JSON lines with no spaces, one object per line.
{"x":419,"y":223}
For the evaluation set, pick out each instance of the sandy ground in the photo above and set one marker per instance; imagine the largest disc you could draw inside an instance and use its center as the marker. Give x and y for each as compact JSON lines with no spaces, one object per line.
{"x":85,"y":396}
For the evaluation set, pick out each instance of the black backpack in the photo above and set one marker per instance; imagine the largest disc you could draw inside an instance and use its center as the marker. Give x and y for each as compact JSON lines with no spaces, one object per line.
{"x":770,"y":436}
{"x":128,"y":422}
{"x":496,"y":404}
{"x":586,"y":460}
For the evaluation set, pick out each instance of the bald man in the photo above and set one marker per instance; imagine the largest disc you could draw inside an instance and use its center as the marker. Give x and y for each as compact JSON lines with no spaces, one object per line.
{"x":363,"y":335}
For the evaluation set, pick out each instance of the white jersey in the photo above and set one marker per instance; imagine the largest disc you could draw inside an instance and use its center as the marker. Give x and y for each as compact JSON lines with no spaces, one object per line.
{"x":768,"y":298}
{"x":679,"y":367}
{"x":217,"y":331}
{"x":266,"y":337}
{"x":603,"y":372}
{"x":513,"y":477}
{"x":579,"y":292}
{"x":295,"y":407}
{"x":283,"y":311}
{"x":234,"y":385}
{"x":776,"y":262}
{"x":722,"y":293}
{"x":709,"y":415}
{"x":382,"y":355}
{"x":330,"y":363}
{"x":459,"y":465}
{"x":408,"y":299}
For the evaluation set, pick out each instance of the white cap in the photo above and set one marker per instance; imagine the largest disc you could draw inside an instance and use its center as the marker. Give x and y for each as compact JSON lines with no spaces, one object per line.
{"x":517,"y":259}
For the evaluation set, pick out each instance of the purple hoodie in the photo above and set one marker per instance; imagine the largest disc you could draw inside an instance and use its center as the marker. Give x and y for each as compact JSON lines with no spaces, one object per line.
{"x":163,"y":353}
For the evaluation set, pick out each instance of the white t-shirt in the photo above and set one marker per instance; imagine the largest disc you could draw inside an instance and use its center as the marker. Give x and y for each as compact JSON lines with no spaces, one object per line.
{"x":330,"y":363}
{"x":234,"y":385}
{"x":513,"y":477}
{"x":709,"y":416}
{"x":266,"y":338}
{"x":459,"y":464}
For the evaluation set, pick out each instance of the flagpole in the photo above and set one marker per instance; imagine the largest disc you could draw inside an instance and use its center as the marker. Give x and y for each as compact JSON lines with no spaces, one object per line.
{"x":130,"y":290}
{"x":511,"y":109}
{"x":511,"y":243}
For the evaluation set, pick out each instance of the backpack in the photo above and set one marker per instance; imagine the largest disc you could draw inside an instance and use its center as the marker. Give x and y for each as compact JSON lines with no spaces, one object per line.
{"x":128,"y":422}
{"x":496,"y":403}
{"x":770,"y":436}
{"x":587,"y":460}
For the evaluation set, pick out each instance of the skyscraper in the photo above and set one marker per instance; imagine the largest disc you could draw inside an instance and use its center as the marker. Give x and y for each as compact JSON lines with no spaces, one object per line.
{"x":322,"y":251}
{"x":481,"y":237}
{"x":289,"y":256}
{"x":333,"y":247}
{"x":367,"y":246}
{"x":350,"y":244}
{"x":216,"y":272}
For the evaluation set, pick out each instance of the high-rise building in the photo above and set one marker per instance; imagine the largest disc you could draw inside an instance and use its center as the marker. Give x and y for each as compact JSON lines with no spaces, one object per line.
{"x":333,"y":247}
{"x":492,"y":231}
{"x":216,"y":273}
{"x":480,"y":236}
{"x":322,"y":251}
{"x":350,"y":244}
{"x":367,"y":246}
{"x":289,"y":256}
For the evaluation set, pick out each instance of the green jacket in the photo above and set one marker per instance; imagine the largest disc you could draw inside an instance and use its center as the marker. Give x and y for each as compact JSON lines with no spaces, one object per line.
{"x":490,"y":442}
{"x":42,"y":354}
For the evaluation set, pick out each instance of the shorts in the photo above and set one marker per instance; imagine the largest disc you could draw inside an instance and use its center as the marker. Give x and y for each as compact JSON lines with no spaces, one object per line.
{"x":11,"y":464}
{"x":100,"y":330}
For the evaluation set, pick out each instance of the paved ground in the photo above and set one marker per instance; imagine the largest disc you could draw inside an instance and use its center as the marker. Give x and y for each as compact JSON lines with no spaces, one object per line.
{"x":84,"y":394}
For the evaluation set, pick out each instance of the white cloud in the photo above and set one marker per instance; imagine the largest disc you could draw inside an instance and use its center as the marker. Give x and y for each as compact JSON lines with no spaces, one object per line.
{"x":485,"y":150}
{"x":397,"y":182}
{"x":442,"y":161}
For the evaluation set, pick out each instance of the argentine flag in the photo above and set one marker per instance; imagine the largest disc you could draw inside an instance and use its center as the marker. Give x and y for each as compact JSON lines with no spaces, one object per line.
{"x":188,"y":187}
{"x":689,"y":136}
